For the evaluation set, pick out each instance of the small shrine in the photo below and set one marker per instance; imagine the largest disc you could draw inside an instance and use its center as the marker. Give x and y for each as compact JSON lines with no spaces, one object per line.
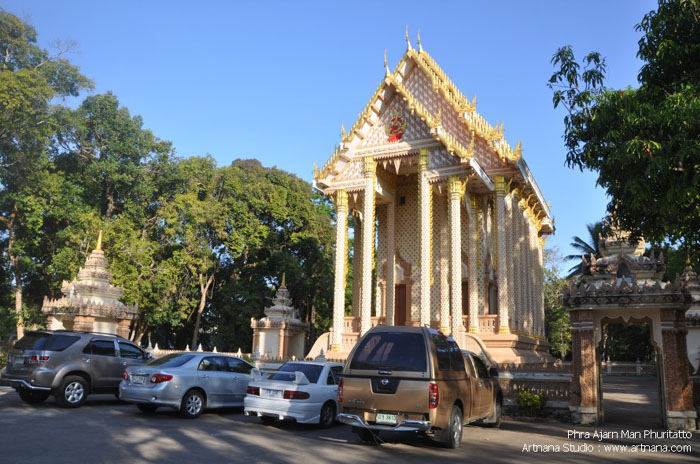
{"x":281,"y":334}
{"x":90,"y":302}
{"x":626,"y":286}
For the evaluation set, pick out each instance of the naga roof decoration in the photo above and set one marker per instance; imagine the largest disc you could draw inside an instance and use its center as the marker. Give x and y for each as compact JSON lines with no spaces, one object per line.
{"x":463,"y":146}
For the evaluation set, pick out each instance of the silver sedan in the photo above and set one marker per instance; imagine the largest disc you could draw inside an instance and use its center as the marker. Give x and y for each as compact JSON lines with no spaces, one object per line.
{"x":189,"y":382}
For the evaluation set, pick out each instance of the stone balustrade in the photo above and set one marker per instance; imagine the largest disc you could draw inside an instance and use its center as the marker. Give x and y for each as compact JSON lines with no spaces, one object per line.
{"x":488,"y":323}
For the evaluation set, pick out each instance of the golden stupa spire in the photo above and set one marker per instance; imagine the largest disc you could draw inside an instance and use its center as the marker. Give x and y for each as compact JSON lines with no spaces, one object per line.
{"x":284,"y":279}
{"x":99,"y":241}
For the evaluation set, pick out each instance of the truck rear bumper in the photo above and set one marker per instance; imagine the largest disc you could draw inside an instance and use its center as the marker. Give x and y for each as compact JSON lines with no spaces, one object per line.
{"x":14,"y":383}
{"x":406,"y":425}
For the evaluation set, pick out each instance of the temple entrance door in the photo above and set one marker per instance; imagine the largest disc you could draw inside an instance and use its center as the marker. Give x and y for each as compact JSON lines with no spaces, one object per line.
{"x":465,"y":303}
{"x":629,"y":381}
{"x":400,"y":304}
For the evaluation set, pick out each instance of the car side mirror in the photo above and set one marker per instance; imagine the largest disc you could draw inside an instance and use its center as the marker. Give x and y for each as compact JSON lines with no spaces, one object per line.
{"x":149,"y":355}
{"x":493,"y":372}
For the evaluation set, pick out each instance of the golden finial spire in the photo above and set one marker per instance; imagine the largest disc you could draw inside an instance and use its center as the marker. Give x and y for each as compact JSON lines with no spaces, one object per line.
{"x":386,"y":66}
{"x":284,"y":279}
{"x":420,"y":47}
{"x":342,"y":131}
{"x":408,"y":41}
{"x":99,"y":241}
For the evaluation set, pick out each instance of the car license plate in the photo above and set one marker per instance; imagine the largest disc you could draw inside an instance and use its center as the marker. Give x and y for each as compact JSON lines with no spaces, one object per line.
{"x":386,"y":419}
{"x":271,"y":393}
{"x":138,"y":379}
{"x":18,"y":361}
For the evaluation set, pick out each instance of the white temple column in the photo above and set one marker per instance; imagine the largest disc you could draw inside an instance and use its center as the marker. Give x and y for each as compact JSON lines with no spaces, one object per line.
{"x":390,"y":262}
{"x":532,"y":317}
{"x":442,"y":237}
{"x":367,"y":245}
{"x":473,"y":266}
{"x":341,"y":251}
{"x":424,"y":199}
{"x":357,"y":267}
{"x":540,"y":285}
{"x":501,"y":258}
{"x":508,"y":226}
{"x":455,"y":192}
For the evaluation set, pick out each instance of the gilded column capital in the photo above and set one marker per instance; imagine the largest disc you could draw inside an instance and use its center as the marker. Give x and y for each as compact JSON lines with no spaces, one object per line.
{"x":473,"y":203}
{"x":500,"y":182}
{"x":455,"y":186}
{"x":543,"y":240}
{"x":341,"y":199}
{"x":370,"y":166}
{"x":423,"y":158}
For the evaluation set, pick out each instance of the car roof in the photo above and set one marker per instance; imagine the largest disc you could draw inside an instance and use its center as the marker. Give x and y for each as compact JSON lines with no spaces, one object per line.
{"x":317,"y":363}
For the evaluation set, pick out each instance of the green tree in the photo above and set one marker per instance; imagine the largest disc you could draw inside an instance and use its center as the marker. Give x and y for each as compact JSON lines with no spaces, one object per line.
{"x":29,"y":79}
{"x":643,"y":143}
{"x":557,"y":324}
{"x":585,"y":248}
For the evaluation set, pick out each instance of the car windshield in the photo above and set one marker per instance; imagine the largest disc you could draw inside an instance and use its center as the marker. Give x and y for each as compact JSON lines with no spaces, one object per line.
{"x":170,"y":360}
{"x":32,"y":341}
{"x":394,"y":351}
{"x":286,"y":372}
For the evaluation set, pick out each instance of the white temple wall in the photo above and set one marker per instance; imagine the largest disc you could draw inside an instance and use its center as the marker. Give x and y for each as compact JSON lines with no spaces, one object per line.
{"x":407,"y":240}
{"x":693,"y":342}
{"x":105,"y":325}
{"x":269,"y":342}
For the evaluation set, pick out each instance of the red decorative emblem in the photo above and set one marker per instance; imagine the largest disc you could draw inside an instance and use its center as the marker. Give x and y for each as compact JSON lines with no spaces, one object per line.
{"x":396,"y":127}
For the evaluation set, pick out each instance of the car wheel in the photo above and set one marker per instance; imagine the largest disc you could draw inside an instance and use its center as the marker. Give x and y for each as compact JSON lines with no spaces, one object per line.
{"x":33,"y":396}
{"x":327,"y":416}
{"x":268,"y":420}
{"x":147,"y":408}
{"x":72,"y":393}
{"x":495,"y":420}
{"x":192,"y":404}
{"x":452,"y":434}
{"x":366,"y":435}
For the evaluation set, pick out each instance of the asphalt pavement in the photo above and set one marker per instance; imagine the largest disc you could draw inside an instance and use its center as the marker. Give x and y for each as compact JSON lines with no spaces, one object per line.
{"x":106,"y":430}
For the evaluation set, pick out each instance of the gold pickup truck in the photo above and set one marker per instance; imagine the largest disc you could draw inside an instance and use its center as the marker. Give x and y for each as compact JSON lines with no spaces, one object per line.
{"x":416,"y":380}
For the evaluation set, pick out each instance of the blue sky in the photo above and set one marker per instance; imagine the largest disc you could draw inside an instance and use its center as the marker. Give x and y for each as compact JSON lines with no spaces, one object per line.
{"x":275,"y":80}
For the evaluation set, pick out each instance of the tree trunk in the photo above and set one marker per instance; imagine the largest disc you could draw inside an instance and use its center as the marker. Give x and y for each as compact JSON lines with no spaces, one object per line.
{"x":14,"y":260}
{"x":109,"y":197}
{"x":204,"y":288}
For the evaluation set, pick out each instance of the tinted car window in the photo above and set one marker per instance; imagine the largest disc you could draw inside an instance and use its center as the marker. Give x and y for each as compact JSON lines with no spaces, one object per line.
{"x":238,"y":365}
{"x":337,"y":372}
{"x":100,"y":347}
{"x":442,"y":352}
{"x":456,"y":358}
{"x":32,"y":341}
{"x":129,"y":351}
{"x":171,"y":360}
{"x":60,"y":342}
{"x":468,"y":363}
{"x":480,"y":368}
{"x":212,"y":364}
{"x":391,"y":351}
{"x":286,"y":372}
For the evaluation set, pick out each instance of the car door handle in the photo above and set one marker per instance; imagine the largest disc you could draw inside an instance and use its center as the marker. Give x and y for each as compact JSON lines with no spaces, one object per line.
{"x":87,"y":360}
{"x":205,"y":376}
{"x":123,"y":363}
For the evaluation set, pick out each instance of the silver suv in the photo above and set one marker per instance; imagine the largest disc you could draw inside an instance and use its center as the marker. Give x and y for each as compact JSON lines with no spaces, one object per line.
{"x":69,"y":365}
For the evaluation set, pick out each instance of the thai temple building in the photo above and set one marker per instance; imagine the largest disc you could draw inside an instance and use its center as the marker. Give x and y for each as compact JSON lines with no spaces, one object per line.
{"x":449,"y":223}
{"x":90,"y":302}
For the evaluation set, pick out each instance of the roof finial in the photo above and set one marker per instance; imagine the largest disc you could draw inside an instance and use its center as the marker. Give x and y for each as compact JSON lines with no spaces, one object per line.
{"x":342,"y":131}
{"x":408,"y":41}
{"x":420,"y":47}
{"x":99,"y":241}
{"x":284,"y":279}
{"x":386,"y":66}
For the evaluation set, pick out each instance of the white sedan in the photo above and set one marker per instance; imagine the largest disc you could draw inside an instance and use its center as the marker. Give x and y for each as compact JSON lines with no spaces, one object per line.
{"x":303,"y":391}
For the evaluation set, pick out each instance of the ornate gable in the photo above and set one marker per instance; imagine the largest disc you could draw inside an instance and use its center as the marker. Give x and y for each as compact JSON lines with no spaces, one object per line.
{"x":397,"y":110}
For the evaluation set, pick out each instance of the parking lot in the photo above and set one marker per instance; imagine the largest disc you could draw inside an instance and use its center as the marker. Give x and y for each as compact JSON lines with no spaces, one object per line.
{"x":107,"y":430}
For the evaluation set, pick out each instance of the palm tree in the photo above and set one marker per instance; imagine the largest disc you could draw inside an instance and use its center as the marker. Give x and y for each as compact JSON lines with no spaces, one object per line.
{"x":585,"y":248}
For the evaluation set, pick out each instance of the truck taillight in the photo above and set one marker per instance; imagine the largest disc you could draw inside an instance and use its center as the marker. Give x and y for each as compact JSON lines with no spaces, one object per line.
{"x":433,"y":396}
{"x":295,"y":395}
{"x":125,"y":376}
{"x":38,"y":359}
{"x":340,"y":391}
{"x":158,"y":378}
{"x":253,"y":391}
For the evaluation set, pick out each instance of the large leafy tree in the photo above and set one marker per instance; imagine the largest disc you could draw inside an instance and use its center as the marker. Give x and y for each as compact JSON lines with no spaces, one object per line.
{"x":30,"y":78}
{"x":644,"y":143}
{"x":557,"y":324}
